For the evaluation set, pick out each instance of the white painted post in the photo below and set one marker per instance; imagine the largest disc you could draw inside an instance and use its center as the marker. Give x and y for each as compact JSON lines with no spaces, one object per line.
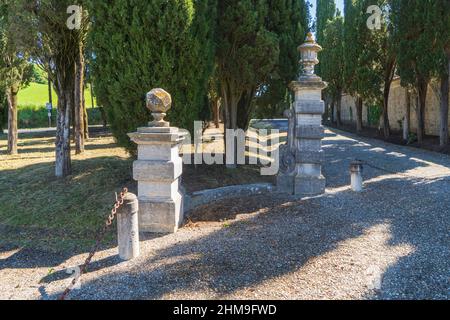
{"x":128,"y":228}
{"x":356,"y":169}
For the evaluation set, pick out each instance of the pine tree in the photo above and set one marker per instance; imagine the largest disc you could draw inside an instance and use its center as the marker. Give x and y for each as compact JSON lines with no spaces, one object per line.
{"x":140,"y":45}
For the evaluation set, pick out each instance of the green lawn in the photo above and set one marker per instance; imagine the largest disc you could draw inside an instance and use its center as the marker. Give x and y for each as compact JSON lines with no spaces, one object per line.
{"x":37,"y":95}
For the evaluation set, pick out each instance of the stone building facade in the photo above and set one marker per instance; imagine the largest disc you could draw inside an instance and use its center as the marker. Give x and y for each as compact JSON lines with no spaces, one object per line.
{"x":397,"y":110}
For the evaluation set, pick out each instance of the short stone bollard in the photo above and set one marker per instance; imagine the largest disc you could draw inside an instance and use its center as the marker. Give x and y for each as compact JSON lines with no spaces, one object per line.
{"x":128,"y":228}
{"x":356,"y":169}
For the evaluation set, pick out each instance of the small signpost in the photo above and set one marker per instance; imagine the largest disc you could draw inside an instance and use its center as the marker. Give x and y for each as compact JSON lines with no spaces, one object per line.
{"x":49,"y":108}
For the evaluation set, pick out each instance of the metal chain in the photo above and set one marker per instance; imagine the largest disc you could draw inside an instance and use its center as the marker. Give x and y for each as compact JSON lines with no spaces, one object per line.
{"x":101,"y":235}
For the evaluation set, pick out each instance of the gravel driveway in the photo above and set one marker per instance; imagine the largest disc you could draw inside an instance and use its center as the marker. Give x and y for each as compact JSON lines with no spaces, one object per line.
{"x":390,"y":242}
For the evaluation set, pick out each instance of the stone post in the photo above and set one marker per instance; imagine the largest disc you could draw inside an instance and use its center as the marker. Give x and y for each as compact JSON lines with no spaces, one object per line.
{"x":356,"y":169}
{"x":309,"y":109}
{"x":128,"y":228}
{"x":158,"y":169}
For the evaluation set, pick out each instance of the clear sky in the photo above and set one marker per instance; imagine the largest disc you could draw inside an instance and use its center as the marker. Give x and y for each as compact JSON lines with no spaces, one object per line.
{"x":339,"y":4}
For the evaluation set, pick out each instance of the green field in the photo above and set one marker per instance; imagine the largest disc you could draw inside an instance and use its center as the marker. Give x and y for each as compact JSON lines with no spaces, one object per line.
{"x":32,"y":112}
{"x":37,"y":95}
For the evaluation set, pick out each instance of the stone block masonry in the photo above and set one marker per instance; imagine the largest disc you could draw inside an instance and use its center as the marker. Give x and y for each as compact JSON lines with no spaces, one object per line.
{"x":306,"y":178}
{"x":158,"y":169}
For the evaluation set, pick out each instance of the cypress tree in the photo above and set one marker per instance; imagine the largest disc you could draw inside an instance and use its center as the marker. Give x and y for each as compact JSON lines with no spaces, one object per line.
{"x":140,"y":45}
{"x":362,"y":72}
{"x":247,"y":54}
{"x":333,"y":62}
{"x":325,"y":11}
{"x":439,"y":21}
{"x":415,"y":54}
{"x":289,"y":21}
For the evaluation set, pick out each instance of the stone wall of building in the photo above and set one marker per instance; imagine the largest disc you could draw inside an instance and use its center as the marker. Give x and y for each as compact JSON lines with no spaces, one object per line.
{"x":397,"y":109}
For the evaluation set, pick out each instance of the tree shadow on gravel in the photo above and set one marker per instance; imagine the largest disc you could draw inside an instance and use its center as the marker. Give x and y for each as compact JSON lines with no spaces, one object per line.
{"x":273,"y":236}
{"x":280,"y":236}
{"x":376,"y":153}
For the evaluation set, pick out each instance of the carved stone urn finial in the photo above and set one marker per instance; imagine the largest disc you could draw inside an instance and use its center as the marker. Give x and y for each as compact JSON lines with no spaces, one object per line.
{"x":309,"y":60}
{"x":159,"y":102}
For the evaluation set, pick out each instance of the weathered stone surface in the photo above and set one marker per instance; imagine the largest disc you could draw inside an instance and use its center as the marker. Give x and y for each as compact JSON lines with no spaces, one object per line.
{"x":286,"y":183}
{"x":156,"y":138}
{"x":128,"y":228}
{"x":309,"y":145}
{"x":204,"y":197}
{"x":158,"y":189}
{"x":309,"y":107}
{"x":309,"y":120}
{"x":155,"y":152}
{"x":309,"y":186}
{"x":316,"y":157}
{"x":157,"y":170}
{"x":164,"y":216}
{"x":159,"y":101}
{"x":307,"y":176}
{"x":311,"y":132}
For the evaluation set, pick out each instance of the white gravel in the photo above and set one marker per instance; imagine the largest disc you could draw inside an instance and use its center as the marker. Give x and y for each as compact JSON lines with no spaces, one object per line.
{"x":390,"y":242}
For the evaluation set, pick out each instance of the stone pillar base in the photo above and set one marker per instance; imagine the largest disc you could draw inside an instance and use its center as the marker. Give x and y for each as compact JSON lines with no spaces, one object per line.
{"x":309,"y":186}
{"x":286,"y":183}
{"x":161,"y":216}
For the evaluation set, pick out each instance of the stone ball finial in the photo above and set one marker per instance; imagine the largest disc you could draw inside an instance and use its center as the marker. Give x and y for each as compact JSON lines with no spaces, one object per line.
{"x":159,"y":102}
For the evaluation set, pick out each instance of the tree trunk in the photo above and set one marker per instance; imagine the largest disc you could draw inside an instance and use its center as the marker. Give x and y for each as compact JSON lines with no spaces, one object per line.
{"x":78,"y":103}
{"x":244,"y":109}
{"x":86,"y":119}
{"x":104,"y":117}
{"x":385,"y":115}
{"x":444,"y":139}
{"x":407,"y":123}
{"x":12,"y":120}
{"x":230,"y":102}
{"x":216,"y":111}
{"x":359,"y":108}
{"x":388,"y":77}
{"x":50,"y":97}
{"x":422,"y":88}
{"x":92,"y":96}
{"x":339,"y":110}
{"x":332,"y":111}
{"x":66,"y":87}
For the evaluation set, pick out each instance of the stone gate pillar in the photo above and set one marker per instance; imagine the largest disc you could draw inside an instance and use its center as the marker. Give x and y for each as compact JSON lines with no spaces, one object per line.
{"x":309,"y":132}
{"x":158,"y":169}
{"x":301,"y":169}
